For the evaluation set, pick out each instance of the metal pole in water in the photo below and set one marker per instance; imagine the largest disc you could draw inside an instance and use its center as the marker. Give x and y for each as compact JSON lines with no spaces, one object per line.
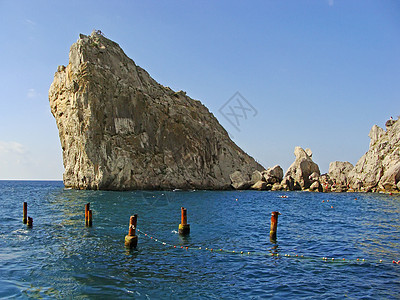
{"x":87,"y":208}
{"x":184,"y":227}
{"x":89,"y":221}
{"x":274,"y":225}
{"x":25,"y":213}
{"x":131,"y":239}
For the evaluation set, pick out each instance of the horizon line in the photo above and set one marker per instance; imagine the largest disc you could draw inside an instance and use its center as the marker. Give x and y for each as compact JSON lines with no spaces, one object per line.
{"x":31,"y":180}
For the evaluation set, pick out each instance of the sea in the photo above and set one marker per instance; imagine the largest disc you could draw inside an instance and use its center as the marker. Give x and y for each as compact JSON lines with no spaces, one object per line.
{"x":328,"y":245}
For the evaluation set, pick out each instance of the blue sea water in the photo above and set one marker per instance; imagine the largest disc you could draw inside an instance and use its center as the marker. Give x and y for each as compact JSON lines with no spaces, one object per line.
{"x":61,"y":258}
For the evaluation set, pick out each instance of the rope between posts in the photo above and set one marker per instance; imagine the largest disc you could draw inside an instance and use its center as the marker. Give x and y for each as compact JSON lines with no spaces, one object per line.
{"x":254,"y":253}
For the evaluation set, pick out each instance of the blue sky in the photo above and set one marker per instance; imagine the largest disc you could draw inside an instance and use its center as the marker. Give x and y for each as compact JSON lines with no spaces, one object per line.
{"x":318,"y":74}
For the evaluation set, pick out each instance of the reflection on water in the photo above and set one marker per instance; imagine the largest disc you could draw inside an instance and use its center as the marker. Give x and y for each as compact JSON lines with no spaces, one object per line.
{"x":61,"y":258}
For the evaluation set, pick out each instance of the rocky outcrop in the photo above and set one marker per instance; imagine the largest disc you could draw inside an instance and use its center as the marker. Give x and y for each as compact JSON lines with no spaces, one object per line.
{"x":302,"y":168}
{"x":339,"y":171}
{"x":273,"y":175}
{"x":240,"y":181}
{"x":261,"y":186}
{"x":119,"y":129}
{"x":390,"y":178}
{"x":287,"y":183}
{"x":379,"y":168}
{"x":315,"y":186}
{"x":314,"y":177}
{"x":267,"y":179}
{"x":375,"y":134}
{"x":256,"y":176}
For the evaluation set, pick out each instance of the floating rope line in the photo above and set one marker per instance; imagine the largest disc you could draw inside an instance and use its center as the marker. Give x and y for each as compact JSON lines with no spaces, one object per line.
{"x":277,"y":255}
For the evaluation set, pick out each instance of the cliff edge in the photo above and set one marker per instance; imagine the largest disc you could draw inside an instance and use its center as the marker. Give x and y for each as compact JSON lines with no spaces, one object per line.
{"x":121,"y":130}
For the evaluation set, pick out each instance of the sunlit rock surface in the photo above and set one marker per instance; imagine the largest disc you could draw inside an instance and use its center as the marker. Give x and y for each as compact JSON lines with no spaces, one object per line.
{"x":120,"y":129}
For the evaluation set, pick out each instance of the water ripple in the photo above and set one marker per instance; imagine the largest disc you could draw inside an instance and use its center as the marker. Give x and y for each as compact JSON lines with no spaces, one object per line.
{"x":61,"y":258}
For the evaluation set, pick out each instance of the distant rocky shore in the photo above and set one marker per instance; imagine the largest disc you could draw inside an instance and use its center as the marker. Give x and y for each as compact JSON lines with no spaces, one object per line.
{"x":121,"y":130}
{"x":378,"y":170}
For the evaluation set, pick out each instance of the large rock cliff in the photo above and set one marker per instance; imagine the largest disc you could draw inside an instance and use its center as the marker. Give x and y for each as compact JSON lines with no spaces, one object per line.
{"x":119,"y":129}
{"x":379,"y":168}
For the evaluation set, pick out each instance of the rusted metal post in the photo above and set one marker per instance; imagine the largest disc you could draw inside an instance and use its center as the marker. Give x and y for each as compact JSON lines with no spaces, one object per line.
{"x":131,"y":239}
{"x":184,"y":227}
{"x":87,"y":208}
{"x":274,"y":225}
{"x":29,"y":222}
{"x":25,"y":213}
{"x":132,"y":225}
{"x":89,"y":221}
{"x":183,"y":216}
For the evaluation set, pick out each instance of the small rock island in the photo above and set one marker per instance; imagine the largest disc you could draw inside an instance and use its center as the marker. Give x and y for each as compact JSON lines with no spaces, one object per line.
{"x":121,"y":130}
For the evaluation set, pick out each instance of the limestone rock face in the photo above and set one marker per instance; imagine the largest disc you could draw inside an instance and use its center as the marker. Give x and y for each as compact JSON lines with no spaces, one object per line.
{"x":240,"y":181}
{"x":260,"y":186}
{"x":288,"y":183}
{"x":256,"y":176}
{"x":391,"y":177}
{"x":379,"y":168}
{"x":119,"y":129}
{"x":276,"y":187}
{"x":314,"y":177}
{"x":309,"y":152}
{"x":316,"y":186}
{"x":273,"y":174}
{"x":375,"y":134}
{"x":302,"y":168}
{"x":339,"y":171}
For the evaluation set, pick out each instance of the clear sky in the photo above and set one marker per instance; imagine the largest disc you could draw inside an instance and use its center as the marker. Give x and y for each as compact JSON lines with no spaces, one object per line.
{"x":315,"y":74}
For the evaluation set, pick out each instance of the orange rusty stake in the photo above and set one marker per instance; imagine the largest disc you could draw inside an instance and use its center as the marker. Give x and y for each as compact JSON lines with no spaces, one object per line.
{"x":89,"y":220}
{"x":274,"y":225}
{"x":132,"y":225}
{"x":29,"y":222}
{"x":25,"y":213}
{"x":183,"y":216}
{"x":87,"y":208}
{"x":131,"y":239}
{"x":184,"y":227}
